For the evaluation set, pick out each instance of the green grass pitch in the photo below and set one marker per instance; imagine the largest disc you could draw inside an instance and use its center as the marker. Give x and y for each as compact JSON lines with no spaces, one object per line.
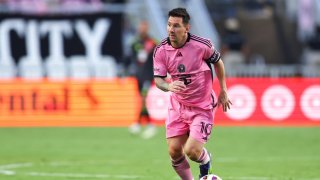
{"x":240,"y":153}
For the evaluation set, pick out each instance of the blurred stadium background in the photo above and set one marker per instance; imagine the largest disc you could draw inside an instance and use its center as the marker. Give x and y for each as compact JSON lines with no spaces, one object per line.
{"x":67,"y":93}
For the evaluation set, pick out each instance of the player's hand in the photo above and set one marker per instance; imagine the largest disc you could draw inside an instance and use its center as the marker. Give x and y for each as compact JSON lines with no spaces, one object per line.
{"x":224,"y":101}
{"x":176,"y":86}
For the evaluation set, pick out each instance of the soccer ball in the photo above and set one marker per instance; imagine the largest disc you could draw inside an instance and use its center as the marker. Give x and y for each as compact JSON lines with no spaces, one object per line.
{"x":211,"y":177}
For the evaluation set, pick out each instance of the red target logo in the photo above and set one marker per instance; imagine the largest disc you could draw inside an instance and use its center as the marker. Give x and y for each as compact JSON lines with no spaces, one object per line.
{"x":157,"y":103}
{"x":278,"y":102}
{"x":310,"y":102}
{"x":243,"y":102}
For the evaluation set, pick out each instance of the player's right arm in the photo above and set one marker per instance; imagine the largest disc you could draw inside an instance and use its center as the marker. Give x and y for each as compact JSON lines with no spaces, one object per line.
{"x":160,"y":73}
{"x":174,"y":86}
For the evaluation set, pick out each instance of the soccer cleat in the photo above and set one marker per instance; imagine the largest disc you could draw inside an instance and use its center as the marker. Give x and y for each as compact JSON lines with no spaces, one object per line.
{"x":206,"y":169}
{"x":149,"y":132}
{"x":135,"y":128}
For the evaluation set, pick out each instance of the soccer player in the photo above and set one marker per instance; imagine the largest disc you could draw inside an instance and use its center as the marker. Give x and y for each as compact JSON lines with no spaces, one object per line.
{"x":187,"y":57}
{"x":141,"y":60}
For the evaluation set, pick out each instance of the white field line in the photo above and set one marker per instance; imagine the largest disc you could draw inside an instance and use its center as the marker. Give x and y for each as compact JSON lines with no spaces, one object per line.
{"x":82,"y":175}
{"x":14,"y":166}
{"x":6,"y":169}
{"x":7,"y":172}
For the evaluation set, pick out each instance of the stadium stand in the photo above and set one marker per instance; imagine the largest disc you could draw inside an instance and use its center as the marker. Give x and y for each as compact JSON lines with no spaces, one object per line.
{"x":106,"y":67}
{"x":277,"y":43}
{"x":233,"y":45}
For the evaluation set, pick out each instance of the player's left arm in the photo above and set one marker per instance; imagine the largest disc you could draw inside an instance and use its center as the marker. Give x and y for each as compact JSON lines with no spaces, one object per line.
{"x":211,"y":55}
{"x":223,"y":99}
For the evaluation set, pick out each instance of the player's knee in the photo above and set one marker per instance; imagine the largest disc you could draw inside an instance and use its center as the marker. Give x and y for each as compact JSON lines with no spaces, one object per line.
{"x":193,"y":153}
{"x":175,"y":152}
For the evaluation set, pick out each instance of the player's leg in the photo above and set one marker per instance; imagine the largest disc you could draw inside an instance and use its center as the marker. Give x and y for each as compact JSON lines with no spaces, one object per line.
{"x":150,"y":129}
{"x":196,"y":152}
{"x":200,"y":131}
{"x":177,"y":133}
{"x":135,"y":128}
{"x":178,"y":159}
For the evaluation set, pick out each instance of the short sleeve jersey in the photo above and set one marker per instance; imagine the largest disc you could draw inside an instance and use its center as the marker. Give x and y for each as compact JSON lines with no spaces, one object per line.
{"x":190,"y":64}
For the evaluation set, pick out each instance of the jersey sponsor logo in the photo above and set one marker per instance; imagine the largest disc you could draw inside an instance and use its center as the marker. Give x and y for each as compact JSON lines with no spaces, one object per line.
{"x":179,"y":54}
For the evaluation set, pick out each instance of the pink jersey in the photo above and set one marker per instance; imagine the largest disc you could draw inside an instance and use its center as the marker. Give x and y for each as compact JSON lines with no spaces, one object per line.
{"x":190,"y":63}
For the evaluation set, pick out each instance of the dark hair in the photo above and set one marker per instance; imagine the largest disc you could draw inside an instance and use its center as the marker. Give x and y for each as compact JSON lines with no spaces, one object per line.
{"x":180,"y":12}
